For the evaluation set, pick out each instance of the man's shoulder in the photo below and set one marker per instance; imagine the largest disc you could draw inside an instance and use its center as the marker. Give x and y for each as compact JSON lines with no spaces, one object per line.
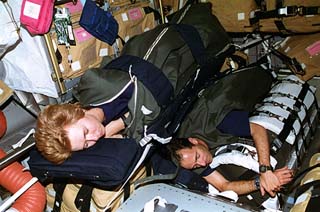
{"x":205,"y":171}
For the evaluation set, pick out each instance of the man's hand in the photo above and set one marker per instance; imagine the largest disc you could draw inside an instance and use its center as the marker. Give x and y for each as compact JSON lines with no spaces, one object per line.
{"x":269,"y":183}
{"x":272,"y":182}
{"x":284,"y":175}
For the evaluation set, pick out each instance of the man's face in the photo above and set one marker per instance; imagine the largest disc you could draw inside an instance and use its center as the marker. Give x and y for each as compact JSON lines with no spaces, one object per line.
{"x":195,"y":157}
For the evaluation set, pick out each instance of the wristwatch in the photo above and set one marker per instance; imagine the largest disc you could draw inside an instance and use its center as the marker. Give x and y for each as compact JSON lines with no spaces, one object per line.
{"x":257,"y":182}
{"x":264,"y":168}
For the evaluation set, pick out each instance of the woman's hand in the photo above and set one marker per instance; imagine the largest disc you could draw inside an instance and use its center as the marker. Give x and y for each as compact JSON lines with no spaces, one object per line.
{"x":113,"y":128}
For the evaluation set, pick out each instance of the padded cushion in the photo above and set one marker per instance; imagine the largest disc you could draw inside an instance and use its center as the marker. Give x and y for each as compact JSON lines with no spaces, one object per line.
{"x":107,"y":163}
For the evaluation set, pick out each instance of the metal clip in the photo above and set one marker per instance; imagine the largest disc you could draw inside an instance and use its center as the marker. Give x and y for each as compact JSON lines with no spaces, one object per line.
{"x":288,"y":11}
{"x":301,"y":10}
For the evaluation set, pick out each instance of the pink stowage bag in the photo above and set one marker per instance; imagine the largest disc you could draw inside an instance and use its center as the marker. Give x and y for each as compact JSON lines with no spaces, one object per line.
{"x":36,"y":15}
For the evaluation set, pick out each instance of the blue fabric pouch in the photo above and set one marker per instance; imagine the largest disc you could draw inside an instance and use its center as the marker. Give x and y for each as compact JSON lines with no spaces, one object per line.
{"x":99,"y":23}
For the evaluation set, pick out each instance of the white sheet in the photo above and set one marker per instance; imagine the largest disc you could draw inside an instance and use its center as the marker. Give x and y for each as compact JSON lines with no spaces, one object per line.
{"x":8,"y":35}
{"x":27,"y":67}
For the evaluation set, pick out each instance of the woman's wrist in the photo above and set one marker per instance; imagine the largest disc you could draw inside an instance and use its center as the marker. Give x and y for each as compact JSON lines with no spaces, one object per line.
{"x":123,"y":118}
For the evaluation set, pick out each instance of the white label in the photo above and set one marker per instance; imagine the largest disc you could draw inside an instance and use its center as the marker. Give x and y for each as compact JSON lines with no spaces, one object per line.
{"x":241,"y":16}
{"x":103,"y":52}
{"x":287,"y":49}
{"x":1,"y":91}
{"x":31,"y":10}
{"x":61,"y":67}
{"x":75,"y":66}
{"x":249,"y":197}
{"x":145,"y":110}
{"x":124,"y":17}
{"x":70,"y":32}
{"x":301,"y":198}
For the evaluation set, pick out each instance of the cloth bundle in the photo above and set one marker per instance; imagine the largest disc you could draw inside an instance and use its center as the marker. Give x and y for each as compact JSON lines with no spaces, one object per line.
{"x":99,"y":23}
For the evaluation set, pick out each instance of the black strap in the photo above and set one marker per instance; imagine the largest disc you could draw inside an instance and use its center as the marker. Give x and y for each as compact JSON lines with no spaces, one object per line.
{"x":263,"y":62}
{"x":259,"y":112}
{"x":170,"y":119}
{"x":126,"y":191}
{"x":295,"y":183}
{"x":290,"y":120}
{"x":59,"y":2}
{"x":294,"y":112}
{"x":231,"y":148}
{"x":310,"y":10}
{"x":303,"y":188}
{"x":156,"y":178}
{"x":150,"y":75}
{"x":59,"y":189}
{"x":261,"y":4}
{"x":291,"y":62}
{"x":283,"y":12}
{"x":282,"y":29}
{"x":121,"y":39}
{"x":287,"y":127}
{"x":83,"y":198}
{"x":167,"y":123}
{"x":287,"y":11}
{"x":279,"y":3}
{"x":313,"y":204}
{"x":299,"y":102}
{"x":192,"y":38}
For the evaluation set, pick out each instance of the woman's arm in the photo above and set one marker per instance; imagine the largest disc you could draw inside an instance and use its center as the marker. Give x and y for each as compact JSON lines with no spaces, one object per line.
{"x":114,"y":128}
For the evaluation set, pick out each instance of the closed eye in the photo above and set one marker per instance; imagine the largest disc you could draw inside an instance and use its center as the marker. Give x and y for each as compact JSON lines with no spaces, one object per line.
{"x":85,"y":145}
{"x":197,"y":156}
{"x":85,"y":133}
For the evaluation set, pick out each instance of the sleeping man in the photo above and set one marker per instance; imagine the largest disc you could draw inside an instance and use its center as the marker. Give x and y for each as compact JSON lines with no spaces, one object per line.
{"x":221,"y":117}
{"x":194,"y":153}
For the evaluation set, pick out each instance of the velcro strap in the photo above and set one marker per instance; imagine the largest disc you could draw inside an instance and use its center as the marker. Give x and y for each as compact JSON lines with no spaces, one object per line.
{"x":150,"y":75}
{"x":59,"y":189}
{"x":231,"y":148}
{"x":83,"y":198}
{"x":309,"y":10}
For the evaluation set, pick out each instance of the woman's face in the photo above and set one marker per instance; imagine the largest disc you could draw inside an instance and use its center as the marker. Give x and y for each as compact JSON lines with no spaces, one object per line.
{"x":85,"y":132}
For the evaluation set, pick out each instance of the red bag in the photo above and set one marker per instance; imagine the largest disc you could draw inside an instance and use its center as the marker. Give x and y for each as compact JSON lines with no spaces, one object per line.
{"x":36,"y":15}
